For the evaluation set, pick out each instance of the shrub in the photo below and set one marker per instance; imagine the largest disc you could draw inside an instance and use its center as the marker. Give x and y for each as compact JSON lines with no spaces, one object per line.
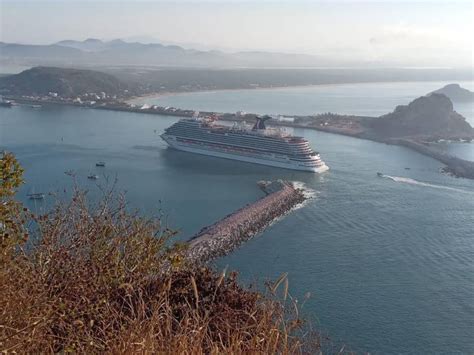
{"x":102,"y":279}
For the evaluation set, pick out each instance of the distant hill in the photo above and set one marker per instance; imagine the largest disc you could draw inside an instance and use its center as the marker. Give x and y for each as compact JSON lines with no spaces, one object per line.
{"x":118,"y":52}
{"x":65,"y":82}
{"x":90,"y":44}
{"x":52,"y":52}
{"x":456,"y":93}
{"x":427,"y":116}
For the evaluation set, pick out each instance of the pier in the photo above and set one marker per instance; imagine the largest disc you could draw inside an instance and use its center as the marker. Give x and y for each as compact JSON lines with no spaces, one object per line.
{"x":454,"y":165}
{"x":224,"y":236}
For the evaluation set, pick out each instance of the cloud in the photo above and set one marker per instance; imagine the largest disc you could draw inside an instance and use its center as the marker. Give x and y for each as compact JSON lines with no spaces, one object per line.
{"x":440,"y":46}
{"x":407,"y":36}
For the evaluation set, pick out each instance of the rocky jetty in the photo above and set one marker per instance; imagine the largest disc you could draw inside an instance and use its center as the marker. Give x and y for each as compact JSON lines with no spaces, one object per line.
{"x":456,"y":93}
{"x":227,"y":234}
{"x":425,"y":120}
{"x":455,"y":166}
{"x":270,"y":187}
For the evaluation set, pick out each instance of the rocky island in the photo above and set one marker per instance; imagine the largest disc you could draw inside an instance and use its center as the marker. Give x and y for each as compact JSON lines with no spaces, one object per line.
{"x":427,"y":118}
{"x":456,"y":93}
{"x":424,"y":121}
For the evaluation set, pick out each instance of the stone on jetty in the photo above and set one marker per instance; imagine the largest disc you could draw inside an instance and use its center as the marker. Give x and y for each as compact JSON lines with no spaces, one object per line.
{"x":270,"y":187}
{"x":227,"y":234}
{"x":454,"y":165}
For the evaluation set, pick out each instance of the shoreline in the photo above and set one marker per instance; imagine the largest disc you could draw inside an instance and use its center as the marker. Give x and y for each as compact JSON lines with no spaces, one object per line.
{"x":133,"y":99}
{"x":454,"y":165}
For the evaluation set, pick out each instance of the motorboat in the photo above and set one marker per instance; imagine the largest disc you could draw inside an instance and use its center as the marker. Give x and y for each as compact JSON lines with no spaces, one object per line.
{"x":36,"y":196}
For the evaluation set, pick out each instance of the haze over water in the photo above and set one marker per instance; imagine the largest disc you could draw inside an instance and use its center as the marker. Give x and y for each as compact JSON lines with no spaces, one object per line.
{"x":388,"y":261}
{"x":362,"y":99}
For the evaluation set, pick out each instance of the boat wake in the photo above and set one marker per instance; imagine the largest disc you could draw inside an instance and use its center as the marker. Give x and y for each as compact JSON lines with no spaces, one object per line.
{"x":425,"y":184}
{"x":307,"y":192}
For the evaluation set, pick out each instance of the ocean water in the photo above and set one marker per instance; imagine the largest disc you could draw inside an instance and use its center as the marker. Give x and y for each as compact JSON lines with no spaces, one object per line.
{"x":388,"y":261}
{"x":367,"y":99}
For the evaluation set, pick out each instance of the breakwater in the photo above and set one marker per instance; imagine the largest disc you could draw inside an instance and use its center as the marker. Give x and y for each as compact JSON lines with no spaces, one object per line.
{"x":454,"y":165}
{"x":224,"y":236}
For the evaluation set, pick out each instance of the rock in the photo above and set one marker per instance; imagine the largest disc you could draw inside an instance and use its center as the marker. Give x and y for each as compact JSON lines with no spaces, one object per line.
{"x":427,"y":117}
{"x":227,"y":234}
{"x":456,"y":93}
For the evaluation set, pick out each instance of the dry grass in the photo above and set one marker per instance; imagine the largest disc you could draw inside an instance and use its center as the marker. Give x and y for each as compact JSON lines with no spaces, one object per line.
{"x":94,"y":282}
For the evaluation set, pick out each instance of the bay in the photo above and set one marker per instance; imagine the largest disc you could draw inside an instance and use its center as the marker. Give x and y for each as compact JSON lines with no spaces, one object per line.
{"x":388,"y":261}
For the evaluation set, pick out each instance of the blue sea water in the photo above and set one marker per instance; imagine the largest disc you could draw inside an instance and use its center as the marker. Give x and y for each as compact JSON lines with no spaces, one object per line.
{"x":388,"y":261}
{"x":367,"y":99}
{"x":371,"y":99}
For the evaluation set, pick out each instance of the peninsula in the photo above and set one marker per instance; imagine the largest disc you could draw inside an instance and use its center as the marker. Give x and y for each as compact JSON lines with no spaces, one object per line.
{"x":418,"y":125}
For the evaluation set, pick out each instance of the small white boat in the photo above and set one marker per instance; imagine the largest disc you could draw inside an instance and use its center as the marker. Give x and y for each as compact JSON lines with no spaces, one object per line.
{"x":93,"y":177}
{"x":100,"y":163}
{"x":36,"y":196}
{"x":5,"y":103}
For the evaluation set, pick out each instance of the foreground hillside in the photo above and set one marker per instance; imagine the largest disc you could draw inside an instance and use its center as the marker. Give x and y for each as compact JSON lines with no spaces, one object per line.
{"x":95,"y":280}
{"x":41,"y":81}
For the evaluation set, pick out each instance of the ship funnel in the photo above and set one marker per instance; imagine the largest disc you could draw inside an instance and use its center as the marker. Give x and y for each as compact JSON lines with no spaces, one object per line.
{"x":260,"y":124}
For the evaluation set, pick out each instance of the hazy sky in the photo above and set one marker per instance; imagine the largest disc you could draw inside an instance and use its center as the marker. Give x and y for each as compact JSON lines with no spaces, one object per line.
{"x":424,"y":32}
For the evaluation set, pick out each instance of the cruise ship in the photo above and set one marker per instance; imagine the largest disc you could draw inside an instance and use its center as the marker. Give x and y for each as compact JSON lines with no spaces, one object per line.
{"x":259,"y":144}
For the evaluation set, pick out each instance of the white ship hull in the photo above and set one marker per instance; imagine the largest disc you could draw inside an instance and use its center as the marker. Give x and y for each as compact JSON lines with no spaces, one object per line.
{"x":269,"y":160}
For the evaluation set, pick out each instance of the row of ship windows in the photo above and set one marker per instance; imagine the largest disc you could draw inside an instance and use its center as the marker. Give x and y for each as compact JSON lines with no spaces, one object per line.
{"x":293,"y":140}
{"x":249,"y":150}
{"x":243,"y":140}
{"x":263,"y":147}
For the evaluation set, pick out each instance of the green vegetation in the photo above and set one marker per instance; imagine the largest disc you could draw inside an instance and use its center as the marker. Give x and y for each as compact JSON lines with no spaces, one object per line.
{"x":101,"y":279}
{"x":155,"y":79}
{"x":140,"y":80}
{"x":40,"y":81}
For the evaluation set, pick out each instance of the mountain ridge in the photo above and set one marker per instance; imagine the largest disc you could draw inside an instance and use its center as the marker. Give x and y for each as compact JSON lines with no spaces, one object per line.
{"x":120,"y":52}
